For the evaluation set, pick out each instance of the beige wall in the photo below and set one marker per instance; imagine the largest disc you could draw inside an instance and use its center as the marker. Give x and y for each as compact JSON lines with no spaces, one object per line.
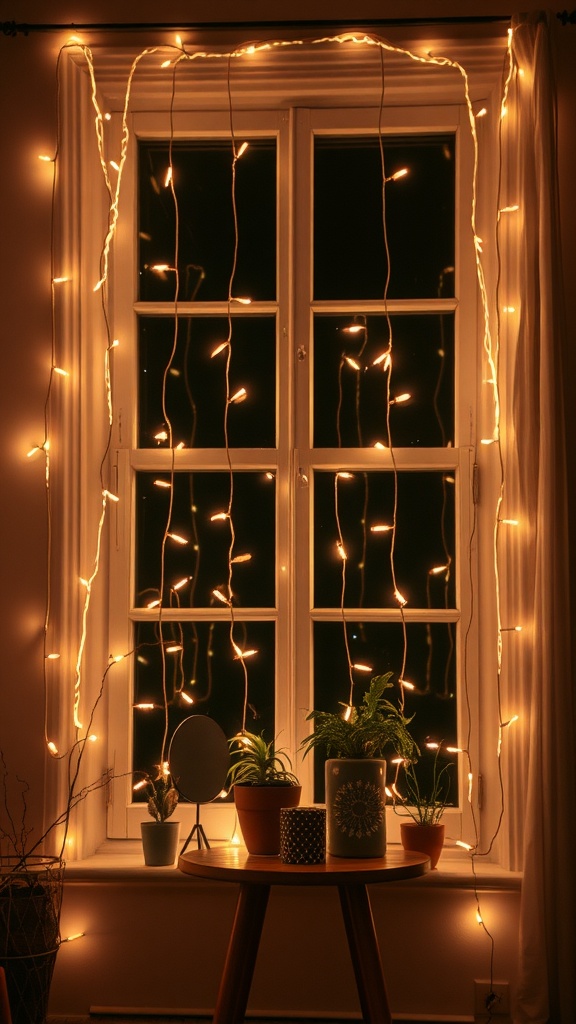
{"x":121,"y":962}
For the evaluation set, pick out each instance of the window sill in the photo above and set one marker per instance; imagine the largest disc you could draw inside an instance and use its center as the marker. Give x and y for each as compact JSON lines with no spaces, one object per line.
{"x":120,"y":859}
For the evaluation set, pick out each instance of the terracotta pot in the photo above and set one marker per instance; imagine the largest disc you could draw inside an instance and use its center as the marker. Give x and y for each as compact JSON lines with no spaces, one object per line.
{"x":259,"y":815}
{"x":160,"y":842}
{"x":356,"y":807}
{"x":428,"y":839}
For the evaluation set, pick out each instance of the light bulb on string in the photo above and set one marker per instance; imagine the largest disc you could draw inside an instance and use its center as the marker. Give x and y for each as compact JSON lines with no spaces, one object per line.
{"x":353,"y":363}
{"x":219,"y":348}
{"x":238,"y":396}
{"x":381,"y":528}
{"x":186,"y":697}
{"x":163,"y":484}
{"x":241,"y":150}
{"x":359,"y":667}
{"x":397,"y":174}
{"x":177,"y":538}
{"x":399,"y":399}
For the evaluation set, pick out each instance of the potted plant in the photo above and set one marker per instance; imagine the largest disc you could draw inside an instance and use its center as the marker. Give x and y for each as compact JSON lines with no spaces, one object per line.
{"x":263,"y":782}
{"x":354,"y":742}
{"x":160,"y":837}
{"x":425,"y":806}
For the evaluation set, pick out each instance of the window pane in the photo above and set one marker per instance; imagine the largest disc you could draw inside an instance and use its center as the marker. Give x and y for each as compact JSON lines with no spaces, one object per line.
{"x":202,"y":177}
{"x":349,"y":250}
{"x":194,"y":382}
{"x":350,"y":380}
{"x":202,"y":560}
{"x":424,"y":540}
{"x":430,"y":666}
{"x":205,"y":670}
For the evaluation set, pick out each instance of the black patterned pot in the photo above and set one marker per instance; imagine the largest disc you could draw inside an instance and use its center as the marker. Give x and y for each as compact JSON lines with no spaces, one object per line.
{"x":356,"y":807}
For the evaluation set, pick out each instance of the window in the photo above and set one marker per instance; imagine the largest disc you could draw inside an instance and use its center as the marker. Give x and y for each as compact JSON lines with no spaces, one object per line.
{"x":319,"y":453}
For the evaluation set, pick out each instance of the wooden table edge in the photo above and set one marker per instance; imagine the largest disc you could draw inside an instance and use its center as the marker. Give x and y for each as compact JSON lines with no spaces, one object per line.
{"x":235,"y":864}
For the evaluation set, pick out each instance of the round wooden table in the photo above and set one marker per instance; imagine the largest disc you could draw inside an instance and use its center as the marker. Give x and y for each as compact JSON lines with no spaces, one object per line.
{"x":255,"y":875}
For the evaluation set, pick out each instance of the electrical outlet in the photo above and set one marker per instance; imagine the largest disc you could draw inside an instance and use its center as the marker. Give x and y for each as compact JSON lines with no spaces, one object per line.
{"x":491,"y":999}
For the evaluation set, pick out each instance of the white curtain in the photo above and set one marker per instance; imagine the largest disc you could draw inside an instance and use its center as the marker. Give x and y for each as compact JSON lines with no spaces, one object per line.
{"x":543,"y":764}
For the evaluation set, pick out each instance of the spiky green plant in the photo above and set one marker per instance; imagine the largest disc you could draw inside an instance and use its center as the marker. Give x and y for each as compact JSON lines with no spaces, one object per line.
{"x":426,"y":808}
{"x":258,"y":763}
{"x":367,"y":731}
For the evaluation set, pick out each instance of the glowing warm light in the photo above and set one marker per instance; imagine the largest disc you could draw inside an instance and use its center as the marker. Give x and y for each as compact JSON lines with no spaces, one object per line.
{"x":508,"y":309}
{"x":52,"y":748}
{"x":92,"y":738}
{"x":144,"y":707}
{"x":341,"y":551}
{"x":407,"y":685}
{"x":509,"y":522}
{"x":52,"y":657}
{"x":488,"y":440}
{"x":139,"y":785}
{"x":509,"y":209}
{"x":186,"y":697}
{"x":161,"y":268}
{"x":162,"y":435}
{"x":219,"y":516}
{"x":174,"y":648}
{"x":400,"y":398}
{"x":242,"y":150}
{"x":437,"y":570}
{"x":238,"y":396}
{"x":177,"y":538}
{"x":110,"y":496}
{"x":181,"y":583}
{"x":242,"y":301}
{"x":168,"y":177}
{"x":163,"y":483}
{"x":36,"y":448}
{"x":72,"y":938}
{"x":511,"y":629}
{"x":482,"y":112}
{"x":343,"y":475}
{"x":347,"y":713}
{"x":220,"y":596}
{"x":454,"y":750}
{"x":401,"y":600}
{"x":117,"y":657}
{"x":45,"y":158}
{"x":241,"y":558}
{"x":60,"y":280}
{"x":381,"y":528}
{"x":354,"y":328}
{"x":114,"y":165}
{"x":220,"y":348}
{"x":479,"y":917}
{"x":432,"y":745}
{"x":359,"y":667}
{"x":352,"y":362}
{"x":380,"y":445}
{"x":240,"y":654}
{"x":384,"y":358}
{"x":60,"y":371}
{"x":465,"y":846}
{"x":154,"y":604}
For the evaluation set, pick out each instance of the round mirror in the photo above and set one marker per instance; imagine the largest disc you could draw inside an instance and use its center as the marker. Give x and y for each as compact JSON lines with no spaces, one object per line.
{"x":199,"y":759}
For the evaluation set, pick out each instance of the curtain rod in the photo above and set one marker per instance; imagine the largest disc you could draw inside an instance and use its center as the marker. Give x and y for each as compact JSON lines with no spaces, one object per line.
{"x":13,"y":28}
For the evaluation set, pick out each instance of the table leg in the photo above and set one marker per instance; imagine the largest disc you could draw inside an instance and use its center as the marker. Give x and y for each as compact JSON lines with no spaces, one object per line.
{"x":241,"y":955}
{"x":365,"y":953}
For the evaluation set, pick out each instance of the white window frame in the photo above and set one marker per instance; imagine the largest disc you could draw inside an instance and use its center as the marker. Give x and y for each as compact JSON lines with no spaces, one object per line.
{"x":81,"y":309}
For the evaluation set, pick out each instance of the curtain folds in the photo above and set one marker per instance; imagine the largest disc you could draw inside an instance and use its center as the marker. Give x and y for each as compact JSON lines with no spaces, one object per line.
{"x":544,"y":768}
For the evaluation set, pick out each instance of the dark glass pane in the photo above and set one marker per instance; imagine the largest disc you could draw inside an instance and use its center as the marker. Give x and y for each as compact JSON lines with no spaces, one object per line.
{"x":430,"y":666}
{"x":193,"y":381}
{"x":349,"y":250}
{"x":206,"y":670}
{"x":424,"y":540}
{"x":351,"y":378}
{"x":202,"y":560}
{"x":202,"y":176}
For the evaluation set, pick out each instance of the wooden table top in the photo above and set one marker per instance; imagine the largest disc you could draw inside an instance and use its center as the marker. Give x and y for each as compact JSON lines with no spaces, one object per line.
{"x":235,"y":864}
